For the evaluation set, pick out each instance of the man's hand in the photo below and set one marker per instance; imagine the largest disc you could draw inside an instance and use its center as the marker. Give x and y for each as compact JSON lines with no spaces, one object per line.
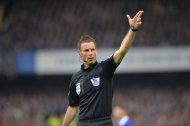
{"x":135,"y":22}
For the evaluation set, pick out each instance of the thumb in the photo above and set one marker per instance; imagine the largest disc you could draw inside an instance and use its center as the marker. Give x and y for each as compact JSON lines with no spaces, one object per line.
{"x":128,"y":16}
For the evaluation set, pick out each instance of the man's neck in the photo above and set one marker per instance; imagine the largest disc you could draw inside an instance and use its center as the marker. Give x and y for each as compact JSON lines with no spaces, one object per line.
{"x":86,"y":66}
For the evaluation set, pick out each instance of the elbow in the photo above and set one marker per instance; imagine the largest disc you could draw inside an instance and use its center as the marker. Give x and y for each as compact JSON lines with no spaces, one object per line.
{"x":119,"y":55}
{"x":73,"y":109}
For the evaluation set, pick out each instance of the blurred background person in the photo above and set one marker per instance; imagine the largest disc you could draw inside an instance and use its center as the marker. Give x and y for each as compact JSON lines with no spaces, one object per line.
{"x":121,"y":116}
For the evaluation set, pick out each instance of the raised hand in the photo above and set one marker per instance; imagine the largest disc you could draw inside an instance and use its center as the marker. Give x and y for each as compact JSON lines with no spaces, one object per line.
{"x":135,"y":22}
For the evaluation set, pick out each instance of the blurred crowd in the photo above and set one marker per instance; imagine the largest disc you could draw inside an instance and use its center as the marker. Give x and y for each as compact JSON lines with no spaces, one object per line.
{"x":146,"y":106}
{"x":54,"y":24}
{"x":31,"y":108}
{"x":156,"y":107}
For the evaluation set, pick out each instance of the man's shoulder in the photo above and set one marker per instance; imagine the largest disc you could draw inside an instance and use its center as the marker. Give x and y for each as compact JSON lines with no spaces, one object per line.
{"x":109,"y":62}
{"x":77,"y":73}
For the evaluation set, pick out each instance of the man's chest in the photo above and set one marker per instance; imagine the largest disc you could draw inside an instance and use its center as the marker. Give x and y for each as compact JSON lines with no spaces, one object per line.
{"x":89,"y":82}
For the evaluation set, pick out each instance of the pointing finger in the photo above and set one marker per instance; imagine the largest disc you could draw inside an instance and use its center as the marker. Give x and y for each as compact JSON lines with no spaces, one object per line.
{"x":139,"y":14}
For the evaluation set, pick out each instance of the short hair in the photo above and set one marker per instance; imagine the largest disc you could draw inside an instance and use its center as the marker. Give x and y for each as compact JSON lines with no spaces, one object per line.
{"x":85,"y":39}
{"x":120,"y":104}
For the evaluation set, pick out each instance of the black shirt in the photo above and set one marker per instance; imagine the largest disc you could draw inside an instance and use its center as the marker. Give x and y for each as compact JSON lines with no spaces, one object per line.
{"x":91,"y":89}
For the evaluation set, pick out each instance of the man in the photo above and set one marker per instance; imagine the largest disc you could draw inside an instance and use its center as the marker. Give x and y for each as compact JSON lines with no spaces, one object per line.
{"x":121,"y":116}
{"x":91,"y":88}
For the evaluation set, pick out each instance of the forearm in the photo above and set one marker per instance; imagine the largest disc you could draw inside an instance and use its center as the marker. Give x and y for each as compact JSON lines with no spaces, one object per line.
{"x":134,"y":24}
{"x":69,"y":115}
{"x":127,"y":41}
{"x":125,"y":44}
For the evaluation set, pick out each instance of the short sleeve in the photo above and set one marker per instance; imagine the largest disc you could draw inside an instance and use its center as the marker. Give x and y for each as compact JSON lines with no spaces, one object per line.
{"x":72,"y":95}
{"x":109,"y":66}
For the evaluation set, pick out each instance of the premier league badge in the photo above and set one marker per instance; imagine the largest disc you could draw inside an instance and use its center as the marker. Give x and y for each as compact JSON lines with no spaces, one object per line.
{"x":95,"y":81}
{"x":78,"y":89}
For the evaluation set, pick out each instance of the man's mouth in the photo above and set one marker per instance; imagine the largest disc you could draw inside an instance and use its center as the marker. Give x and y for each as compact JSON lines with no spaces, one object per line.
{"x":90,"y":59}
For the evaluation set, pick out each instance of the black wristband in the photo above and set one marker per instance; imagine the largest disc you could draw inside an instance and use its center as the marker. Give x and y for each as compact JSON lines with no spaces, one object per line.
{"x":134,"y":30}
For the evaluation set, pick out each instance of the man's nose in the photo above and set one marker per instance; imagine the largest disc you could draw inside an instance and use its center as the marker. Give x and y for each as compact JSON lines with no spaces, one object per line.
{"x":90,"y":52}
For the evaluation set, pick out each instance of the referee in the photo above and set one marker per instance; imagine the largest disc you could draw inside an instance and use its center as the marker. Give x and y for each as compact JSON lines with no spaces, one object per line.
{"x":91,"y":88}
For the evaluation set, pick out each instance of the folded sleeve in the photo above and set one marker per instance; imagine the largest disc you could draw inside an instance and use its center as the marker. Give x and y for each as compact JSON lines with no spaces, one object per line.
{"x":109,"y":66}
{"x":72,"y":95}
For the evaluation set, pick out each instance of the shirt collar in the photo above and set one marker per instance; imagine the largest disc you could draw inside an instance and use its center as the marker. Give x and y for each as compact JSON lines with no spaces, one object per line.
{"x":82,"y":66}
{"x":123,"y":120}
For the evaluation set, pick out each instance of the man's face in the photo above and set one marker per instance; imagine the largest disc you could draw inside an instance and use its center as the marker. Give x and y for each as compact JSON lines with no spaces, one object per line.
{"x":118,"y":113}
{"x":87,"y":53}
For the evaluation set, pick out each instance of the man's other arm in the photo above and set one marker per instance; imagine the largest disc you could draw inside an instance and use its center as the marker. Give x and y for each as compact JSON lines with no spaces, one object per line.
{"x":69,"y":115}
{"x":134,"y":24}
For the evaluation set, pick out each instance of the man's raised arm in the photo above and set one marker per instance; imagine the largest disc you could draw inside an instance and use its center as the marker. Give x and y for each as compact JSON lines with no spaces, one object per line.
{"x":134,"y":24}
